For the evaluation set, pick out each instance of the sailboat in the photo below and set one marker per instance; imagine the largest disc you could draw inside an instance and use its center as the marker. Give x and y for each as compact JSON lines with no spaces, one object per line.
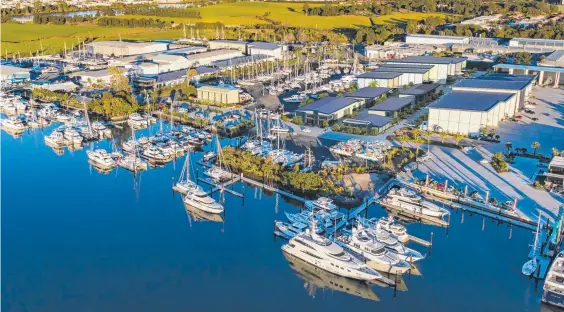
{"x":185,"y":184}
{"x":531,"y":266}
{"x":217,"y":173}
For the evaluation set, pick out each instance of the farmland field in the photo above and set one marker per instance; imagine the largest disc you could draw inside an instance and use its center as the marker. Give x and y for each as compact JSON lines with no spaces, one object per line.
{"x":26,"y":38}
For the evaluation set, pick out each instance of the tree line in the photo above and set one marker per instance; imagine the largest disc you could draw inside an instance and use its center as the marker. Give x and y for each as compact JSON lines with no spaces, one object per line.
{"x":61,"y":20}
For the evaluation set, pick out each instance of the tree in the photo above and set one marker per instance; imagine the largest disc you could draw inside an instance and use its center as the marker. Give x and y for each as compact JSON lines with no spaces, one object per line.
{"x":555,"y":152}
{"x":373,"y":84}
{"x":305,"y":8}
{"x":535,"y":146}
{"x":298,"y":120}
{"x":508,"y":145}
{"x":458,"y":137}
{"x":191,"y":73}
{"x":325,"y":124}
{"x":118,"y":82}
{"x":403,"y":138}
{"x":443,"y":136}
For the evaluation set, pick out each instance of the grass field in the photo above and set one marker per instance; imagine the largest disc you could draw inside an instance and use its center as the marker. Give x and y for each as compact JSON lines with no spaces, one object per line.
{"x":29,"y":37}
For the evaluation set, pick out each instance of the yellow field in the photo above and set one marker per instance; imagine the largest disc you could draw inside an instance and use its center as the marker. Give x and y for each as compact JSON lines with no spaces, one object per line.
{"x":24,"y":38}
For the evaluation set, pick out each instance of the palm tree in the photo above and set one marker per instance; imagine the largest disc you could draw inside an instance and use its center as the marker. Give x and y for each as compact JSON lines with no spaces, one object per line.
{"x":443,"y":136}
{"x":403,"y":138}
{"x":458,"y":137}
{"x":508,"y":145}
{"x":555,"y":152}
{"x":535,"y":146}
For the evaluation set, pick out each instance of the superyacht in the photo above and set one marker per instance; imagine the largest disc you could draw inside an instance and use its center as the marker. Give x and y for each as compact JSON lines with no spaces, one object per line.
{"x":408,"y":200}
{"x":325,"y":254}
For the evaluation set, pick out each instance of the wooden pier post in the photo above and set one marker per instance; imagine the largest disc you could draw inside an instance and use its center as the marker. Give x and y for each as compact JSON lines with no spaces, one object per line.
{"x":483,"y":223}
{"x":462,"y":220}
{"x":197,"y":174}
{"x":510,"y":231}
{"x":465,"y":190}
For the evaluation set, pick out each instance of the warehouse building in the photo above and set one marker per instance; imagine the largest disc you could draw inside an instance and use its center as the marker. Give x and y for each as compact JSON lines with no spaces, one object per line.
{"x":264,"y":48}
{"x":537,"y":43}
{"x":160,"y":80}
{"x":398,"y":50}
{"x":555,"y":174}
{"x":369,"y":95}
{"x":89,"y":77}
{"x":380,"y":79}
{"x":467,"y":112}
{"x":409,"y":75}
{"x":367,"y":120}
{"x":421,"y":92}
{"x":124,"y":48}
{"x":520,"y":86}
{"x":13,"y":75}
{"x":239,"y":45}
{"x":328,"y":109}
{"x":392,"y":106}
{"x":442,"y":66}
{"x":218,"y":95}
{"x":435,"y":39}
{"x":547,"y":75}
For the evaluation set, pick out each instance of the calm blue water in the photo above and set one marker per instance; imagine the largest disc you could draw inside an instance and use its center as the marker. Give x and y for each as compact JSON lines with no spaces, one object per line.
{"x":77,"y":240}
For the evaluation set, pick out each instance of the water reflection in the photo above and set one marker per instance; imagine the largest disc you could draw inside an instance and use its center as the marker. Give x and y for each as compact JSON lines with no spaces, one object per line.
{"x":316,"y":278}
{"x":200,"y":215}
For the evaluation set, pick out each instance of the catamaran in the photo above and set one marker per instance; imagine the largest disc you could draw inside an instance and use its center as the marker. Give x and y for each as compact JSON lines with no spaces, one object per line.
{"x":327,"y":255}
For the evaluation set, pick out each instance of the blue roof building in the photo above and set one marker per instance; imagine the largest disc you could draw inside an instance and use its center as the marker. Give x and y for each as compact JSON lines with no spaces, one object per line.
{"x":328,"y":109}
{"x":369,"y":94}
{"x":392,"y":106}
{"x":365,"y":119}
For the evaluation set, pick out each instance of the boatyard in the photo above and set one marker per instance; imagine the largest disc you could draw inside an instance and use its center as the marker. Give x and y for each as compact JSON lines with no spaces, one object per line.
{"x":395,"y":181}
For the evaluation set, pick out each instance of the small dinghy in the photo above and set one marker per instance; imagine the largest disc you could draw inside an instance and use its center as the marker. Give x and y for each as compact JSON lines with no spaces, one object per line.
{"x":530,"y":267}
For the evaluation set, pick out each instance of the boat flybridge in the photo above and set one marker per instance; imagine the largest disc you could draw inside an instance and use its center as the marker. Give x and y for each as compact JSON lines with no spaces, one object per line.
{"x":380,"y":258}
{"x":55,"y":139}
{"x":132,"y":163}
{"x":327,"y":255}
{"x":398,"y":230}
{"x":409,"y":200}
{"x":101,"y":158}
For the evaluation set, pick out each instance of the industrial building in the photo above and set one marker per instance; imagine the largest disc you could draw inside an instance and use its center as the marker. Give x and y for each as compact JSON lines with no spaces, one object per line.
{"x":467,"y":112}
{"x":547,"y":75}
{"x":218,"y":95}
{"x":89,"y":77}
{"x":442,"y":66}
{"x":519,"y":85}
{"x":409,"y":75}
{"x":435,"y":39}
{"x":264,"y":48}
{"x":537,"y":43}
{"x":421,"y":92}
{"x":13,"y":75}
{"x":164,"y":62}
{"x":397,"y":50}
{"x":228,"y":44}
{"x":392,"y":106}
{"x":369,"y":95}
{"x":365,"y":119}
{"x":380,"y":79}
{"x":555,"y":59}
{"x":124,"y":48}
{"x":160,"y":80}
{"x":328,"y":109}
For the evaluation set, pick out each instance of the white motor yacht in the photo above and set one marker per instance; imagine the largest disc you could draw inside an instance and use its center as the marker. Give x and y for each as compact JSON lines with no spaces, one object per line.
{"x":13,"y":124}
{"x":72,"y":136}
{"x":553,"y":289}
{"x":204,"y":202}
{"x":381,"y":258}
{"x":218,"y":174}
{"x":398,"y":230}
{"x":323,"y":203}
{"x":55,"y":139}
{"x":392,"y":243}
{"x":101,"y":158}
{"x":408,"y":200}
{"x":132,"y":163}
{"x":130,"y":146}
{"x":101,"y":129}
{"x":294,"y":98}
{"x":154,"y":155}
{"x":327,"y":255}
{"x":137,"y":121}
